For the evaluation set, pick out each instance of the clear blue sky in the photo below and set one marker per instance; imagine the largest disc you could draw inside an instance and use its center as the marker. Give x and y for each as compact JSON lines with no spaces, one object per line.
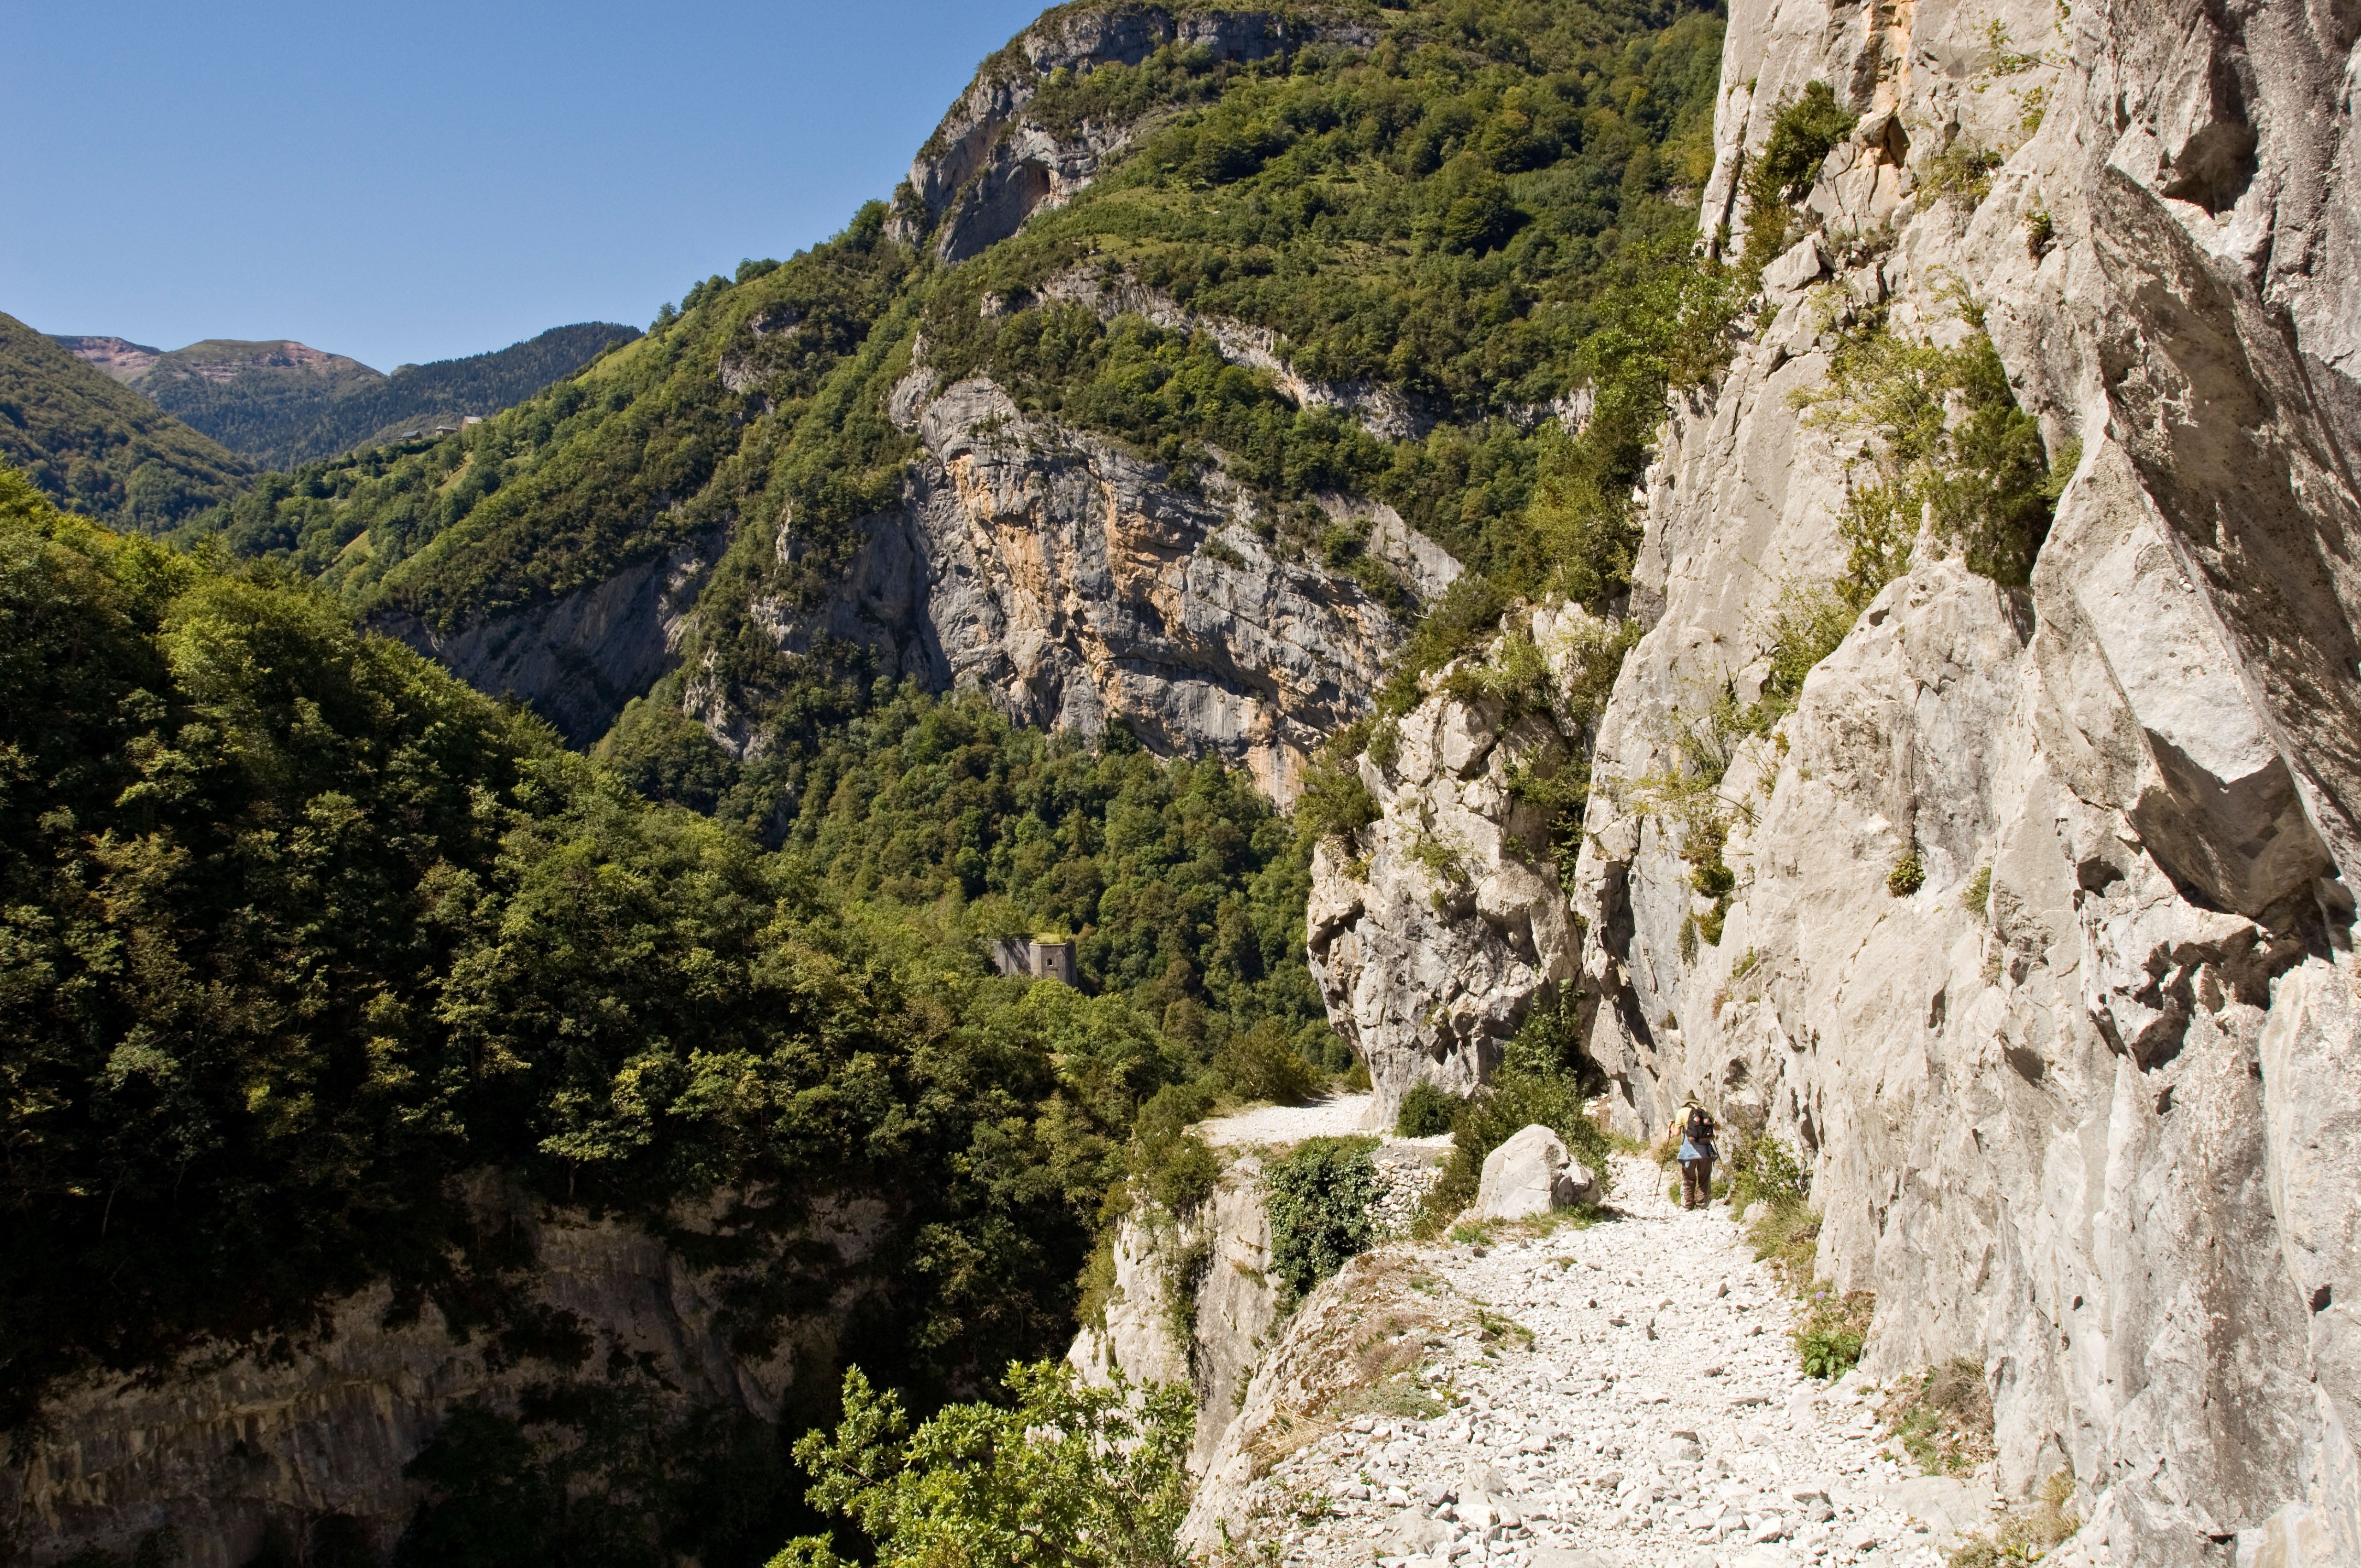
{"x":417,"y":180}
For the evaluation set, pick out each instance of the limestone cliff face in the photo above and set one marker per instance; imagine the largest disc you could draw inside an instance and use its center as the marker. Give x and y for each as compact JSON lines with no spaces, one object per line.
{"x":221,"y":1451}
{"x":2080,"y":1097}
{"x":1068,"y":581}
{"x":577,"y":659}
{"x":1435,"y":930}
{"x":1218,"y":1260}
{"x":990,"y":165}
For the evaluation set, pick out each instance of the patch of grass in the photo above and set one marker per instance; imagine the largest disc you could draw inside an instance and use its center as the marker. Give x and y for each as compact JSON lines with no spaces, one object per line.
{"x":1472,"y":1233}
{"x":1977,"y":899}
{"x":1944,"y":1418}
{"x":2029,"y":1536}
{"x":1400,"y":1397}
{"x":1907,"y":877}
{"x":1493,"y":1329}
{"x":1832,"y":1331}
{"x":1961,"y":173}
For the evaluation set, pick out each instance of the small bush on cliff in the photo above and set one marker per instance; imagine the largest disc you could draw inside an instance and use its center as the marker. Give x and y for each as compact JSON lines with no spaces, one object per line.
{"x":1322,"y":1198}
{"x":1948,"y":446}
{"x":1762,"y":1171}
{"x":1062,"y":1475}
{"x":1801,"y":138}
{"x":1832,"y":1331}
{"x":1543,"y":1079}
{"x":1426,"y":1111}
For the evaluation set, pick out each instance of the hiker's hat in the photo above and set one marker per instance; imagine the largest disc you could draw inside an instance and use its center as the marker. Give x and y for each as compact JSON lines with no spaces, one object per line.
{"x":1691,"y":1104}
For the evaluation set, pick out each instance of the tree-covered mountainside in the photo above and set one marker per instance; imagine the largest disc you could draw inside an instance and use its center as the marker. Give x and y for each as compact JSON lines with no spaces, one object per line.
{"x":102,"y":450}
{"x":297,"y":929}
{"x":1479,"y":223}
{"x":281,"y":403}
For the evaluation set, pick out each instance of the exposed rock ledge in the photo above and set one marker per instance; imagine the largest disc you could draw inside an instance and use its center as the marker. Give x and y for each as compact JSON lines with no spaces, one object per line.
{"x":1064,"y":577}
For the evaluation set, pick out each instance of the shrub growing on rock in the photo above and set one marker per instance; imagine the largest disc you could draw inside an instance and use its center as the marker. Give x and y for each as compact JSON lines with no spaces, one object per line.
{"x":1322,"y":1195}
{"x":1426,"y":1111}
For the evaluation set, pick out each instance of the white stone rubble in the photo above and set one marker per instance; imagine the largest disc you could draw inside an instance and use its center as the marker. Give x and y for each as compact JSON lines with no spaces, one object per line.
{"x":1657,"y":1419}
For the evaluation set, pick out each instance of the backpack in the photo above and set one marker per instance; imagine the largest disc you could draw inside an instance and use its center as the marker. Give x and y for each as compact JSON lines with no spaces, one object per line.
{"x":1699,"y":1129}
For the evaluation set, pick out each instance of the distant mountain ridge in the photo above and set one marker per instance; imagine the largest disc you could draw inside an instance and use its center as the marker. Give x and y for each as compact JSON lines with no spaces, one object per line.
{"x":98,"y":447}
{"x":281,"y":402}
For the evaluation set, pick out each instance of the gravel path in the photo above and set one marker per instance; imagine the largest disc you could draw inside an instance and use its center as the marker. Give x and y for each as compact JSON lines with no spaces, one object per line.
{"x":1657,"y":1420}
{"x":1329,"y":1118}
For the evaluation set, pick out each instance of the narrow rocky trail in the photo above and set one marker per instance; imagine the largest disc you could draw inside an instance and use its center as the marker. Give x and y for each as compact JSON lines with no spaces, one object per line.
{"x":1655,"y":1418}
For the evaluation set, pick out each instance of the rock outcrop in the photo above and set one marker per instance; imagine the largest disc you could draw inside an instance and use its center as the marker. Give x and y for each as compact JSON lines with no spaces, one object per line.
{"x":1531,"y":1175}
{"x":220,"y":1450}
{"x":1435,"y":929}
{"x":1068,"y":581}
{"x":1190,"y":1300}
{"x":2037,"y":941}
{"x":577,"y":659}
{"x":989,"y":166}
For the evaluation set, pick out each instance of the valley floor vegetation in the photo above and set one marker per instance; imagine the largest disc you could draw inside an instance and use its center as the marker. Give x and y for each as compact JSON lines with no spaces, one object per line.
{"x":297,"y":929}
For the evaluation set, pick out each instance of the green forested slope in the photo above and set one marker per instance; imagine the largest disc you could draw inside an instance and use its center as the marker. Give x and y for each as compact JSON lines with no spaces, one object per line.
{"x":1491,"y":209}
{"x":295,"y":928}
{"x":99,"y":448}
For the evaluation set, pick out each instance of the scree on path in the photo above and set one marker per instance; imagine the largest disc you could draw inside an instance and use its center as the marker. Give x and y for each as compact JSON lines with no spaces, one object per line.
{"x":1658,"y":1417}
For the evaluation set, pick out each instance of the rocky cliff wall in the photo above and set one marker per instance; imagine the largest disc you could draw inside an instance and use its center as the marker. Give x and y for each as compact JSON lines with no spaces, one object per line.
{"x":1069,"y":582}
{"x":1435,"y":930}
{"x":2037,"y":939}
{"x":577,"y":659}
{"x":221,"y":1450}
{"x":1193,"y":1301}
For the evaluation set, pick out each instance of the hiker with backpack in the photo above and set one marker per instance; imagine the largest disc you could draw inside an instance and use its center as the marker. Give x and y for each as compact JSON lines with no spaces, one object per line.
{"x":1697,"y":1154}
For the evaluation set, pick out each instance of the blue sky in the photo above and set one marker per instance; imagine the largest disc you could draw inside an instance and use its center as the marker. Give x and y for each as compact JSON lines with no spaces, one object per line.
{"x":417,"y":180}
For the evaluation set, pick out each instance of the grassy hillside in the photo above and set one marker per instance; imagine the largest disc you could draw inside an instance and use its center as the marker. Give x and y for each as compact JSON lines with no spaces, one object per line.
{"x":281,"y":403}
{"x":100,"y":448}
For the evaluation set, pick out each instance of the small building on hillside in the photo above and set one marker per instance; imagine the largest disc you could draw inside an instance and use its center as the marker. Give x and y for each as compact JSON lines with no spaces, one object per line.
{"x":1037,"y":957}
